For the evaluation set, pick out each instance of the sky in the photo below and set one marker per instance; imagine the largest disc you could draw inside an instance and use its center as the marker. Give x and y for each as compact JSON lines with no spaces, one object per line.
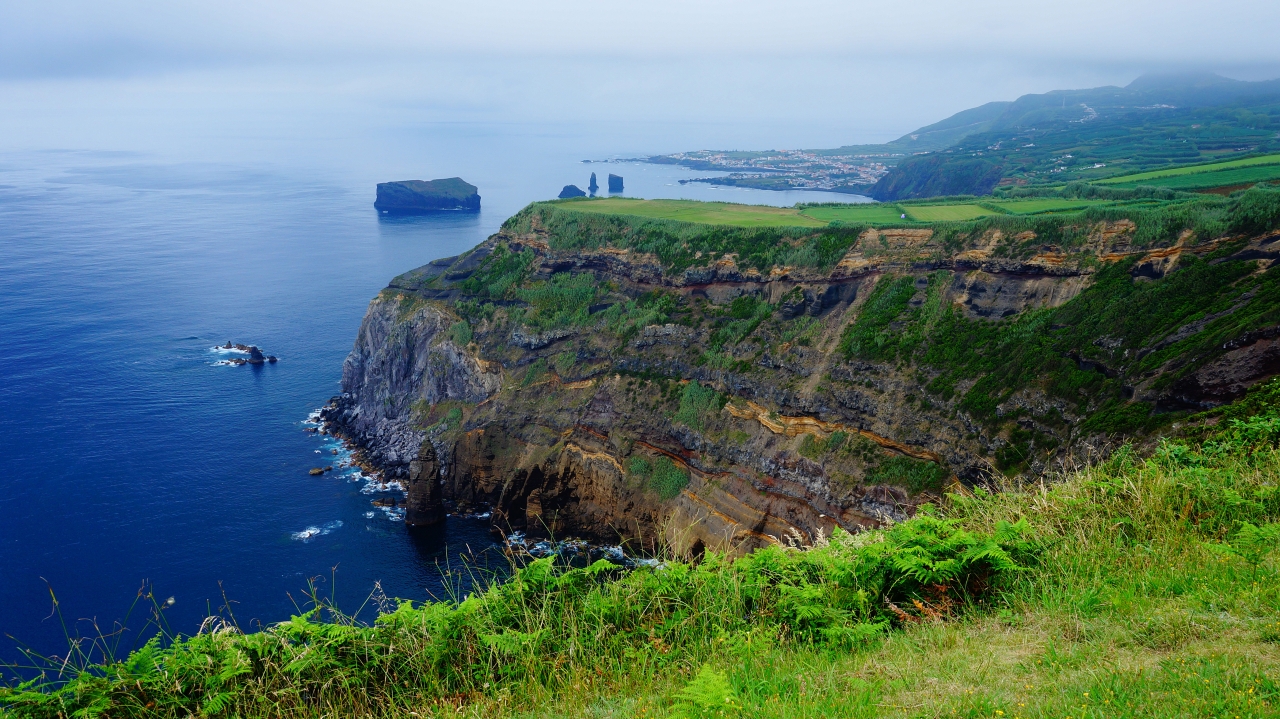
{"x":745,"y":74}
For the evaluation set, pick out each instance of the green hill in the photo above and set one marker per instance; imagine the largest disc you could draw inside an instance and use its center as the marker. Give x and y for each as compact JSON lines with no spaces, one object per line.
{"x":1156,"y":122}
{"x":1064,"y":136}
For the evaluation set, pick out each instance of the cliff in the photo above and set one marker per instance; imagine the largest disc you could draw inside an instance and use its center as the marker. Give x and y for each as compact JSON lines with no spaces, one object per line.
{"x":708,"y":386}
{"x":427,"y":196}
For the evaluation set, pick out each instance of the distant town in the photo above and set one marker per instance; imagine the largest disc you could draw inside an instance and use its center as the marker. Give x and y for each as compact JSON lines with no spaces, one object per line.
{"x":787,"y":169}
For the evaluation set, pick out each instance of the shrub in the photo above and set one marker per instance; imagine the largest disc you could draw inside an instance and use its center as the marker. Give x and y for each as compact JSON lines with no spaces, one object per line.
{"x":661,"y":476}
{"x":698,"y":404}
{"x":460,"y":333}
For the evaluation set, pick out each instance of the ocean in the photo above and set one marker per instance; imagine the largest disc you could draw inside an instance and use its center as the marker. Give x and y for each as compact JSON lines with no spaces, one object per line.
{"x":133,"y":459}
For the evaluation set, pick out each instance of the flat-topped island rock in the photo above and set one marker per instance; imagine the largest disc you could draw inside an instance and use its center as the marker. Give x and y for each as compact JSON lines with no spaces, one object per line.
{"x":410,"y":196}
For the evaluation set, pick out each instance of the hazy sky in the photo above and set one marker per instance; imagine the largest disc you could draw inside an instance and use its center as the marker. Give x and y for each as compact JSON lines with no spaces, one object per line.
{"x":805,"y":72}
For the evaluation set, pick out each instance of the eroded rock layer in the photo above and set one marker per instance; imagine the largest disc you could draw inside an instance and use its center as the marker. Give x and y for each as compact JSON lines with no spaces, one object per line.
{"x":594,"y":389}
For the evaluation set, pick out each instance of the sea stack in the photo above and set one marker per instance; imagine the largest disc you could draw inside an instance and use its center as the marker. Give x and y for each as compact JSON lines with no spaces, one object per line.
{"x":414,"y":196}
{"x":423,"y":506}
{"x":593,"y":185}
{"x":571,"y":191}
{"x":615,"y":183}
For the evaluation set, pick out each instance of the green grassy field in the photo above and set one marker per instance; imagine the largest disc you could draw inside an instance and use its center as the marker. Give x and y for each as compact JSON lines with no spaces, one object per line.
{"x":945,"y":213}
{"x":858,"y":213}
{"x":710,"y":213}
{"x":1044,"y":204}
{"x":1204,"y":180}
{"x":1145,"y":177}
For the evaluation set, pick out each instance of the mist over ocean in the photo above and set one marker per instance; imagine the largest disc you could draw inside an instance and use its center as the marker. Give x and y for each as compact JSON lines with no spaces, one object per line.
{"x":127,"y":455}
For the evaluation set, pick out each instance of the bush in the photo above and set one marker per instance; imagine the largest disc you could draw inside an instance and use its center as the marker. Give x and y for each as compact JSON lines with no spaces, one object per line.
{"x":661,"y":476}
{"x":698,"y":404}
{"x":460,"y":333}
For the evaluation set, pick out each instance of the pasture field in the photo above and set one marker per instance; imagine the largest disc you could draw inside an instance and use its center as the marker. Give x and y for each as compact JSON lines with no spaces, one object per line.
{"x":945,"y":213}
{"x":1220,"y":178}
{"x":1146,"y":177}
{"x":1044,"y":204}
{"x":869,"y":212}
{"x":709,"y":213}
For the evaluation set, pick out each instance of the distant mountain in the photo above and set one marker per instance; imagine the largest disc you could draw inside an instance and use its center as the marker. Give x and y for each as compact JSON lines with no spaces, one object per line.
{"x":1155,"y":121}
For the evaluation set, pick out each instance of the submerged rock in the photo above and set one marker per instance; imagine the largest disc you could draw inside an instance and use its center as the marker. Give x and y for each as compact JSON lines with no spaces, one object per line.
{"x":256,"y":355}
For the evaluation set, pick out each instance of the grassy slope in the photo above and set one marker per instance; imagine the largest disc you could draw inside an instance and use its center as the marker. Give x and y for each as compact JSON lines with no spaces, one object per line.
{"x":1192,"y":170}
{"x":1048,"y":204}
{"x":855,"y":213}
{"x":714,"y":213}
{"x":945,"y":213}
{"x":1129,"y":609}
{"x":1205,"y":180}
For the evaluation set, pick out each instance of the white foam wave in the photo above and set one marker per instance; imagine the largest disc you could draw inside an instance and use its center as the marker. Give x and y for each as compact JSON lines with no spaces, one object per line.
{"x":312,"y":532}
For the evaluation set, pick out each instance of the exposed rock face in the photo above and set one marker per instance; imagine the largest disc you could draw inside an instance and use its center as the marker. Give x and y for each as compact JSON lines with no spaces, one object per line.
{"x":723,"y":406}
{"x":424,"y":505}
{"x":402,"y":358}
{"x":1226,"y":378}
{"x":410,"y":196}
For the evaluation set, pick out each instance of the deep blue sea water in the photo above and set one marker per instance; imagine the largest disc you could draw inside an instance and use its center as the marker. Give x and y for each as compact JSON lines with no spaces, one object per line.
{"x":127,"y":456}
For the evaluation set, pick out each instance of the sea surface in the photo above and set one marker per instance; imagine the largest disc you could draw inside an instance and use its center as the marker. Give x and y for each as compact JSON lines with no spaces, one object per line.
{"x":132,"y":460}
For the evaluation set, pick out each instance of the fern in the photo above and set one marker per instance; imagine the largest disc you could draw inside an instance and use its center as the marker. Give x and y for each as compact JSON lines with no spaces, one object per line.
{"x":709,"y":694}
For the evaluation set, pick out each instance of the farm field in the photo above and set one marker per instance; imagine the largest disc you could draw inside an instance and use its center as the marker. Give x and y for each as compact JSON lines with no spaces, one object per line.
{"x":1204,"y":180}
{"x":1146,"y":177}
{"x":711,"y":213}
{"x":945,"y":213}
{"x":862,"y":212}
{"x":1044,"y":204}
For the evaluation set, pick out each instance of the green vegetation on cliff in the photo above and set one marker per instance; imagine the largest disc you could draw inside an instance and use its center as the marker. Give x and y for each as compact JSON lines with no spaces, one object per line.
{"x":712,"y":213}
{"x":1142,"y":587}
{"x":1060,"y":217}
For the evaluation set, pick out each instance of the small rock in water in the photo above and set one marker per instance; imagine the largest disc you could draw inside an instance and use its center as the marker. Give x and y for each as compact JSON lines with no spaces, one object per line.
{"x":315,"y":471}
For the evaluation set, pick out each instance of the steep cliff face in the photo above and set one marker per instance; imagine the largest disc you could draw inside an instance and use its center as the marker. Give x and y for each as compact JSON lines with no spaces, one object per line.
{"x":404,"y":359}
{"x":574,"y":383}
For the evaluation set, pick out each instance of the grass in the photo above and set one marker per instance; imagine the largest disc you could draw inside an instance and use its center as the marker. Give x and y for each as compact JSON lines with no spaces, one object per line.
{"x":1046,"y":204}
{"x":1206,"y":180}
{"x":867,"y":212}
{"x":1159,"y":214}
{"x":1143,"y":177}
{"x":1105,"y":594}
{"x":707,"y":213}
{"x":945,"y":213}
